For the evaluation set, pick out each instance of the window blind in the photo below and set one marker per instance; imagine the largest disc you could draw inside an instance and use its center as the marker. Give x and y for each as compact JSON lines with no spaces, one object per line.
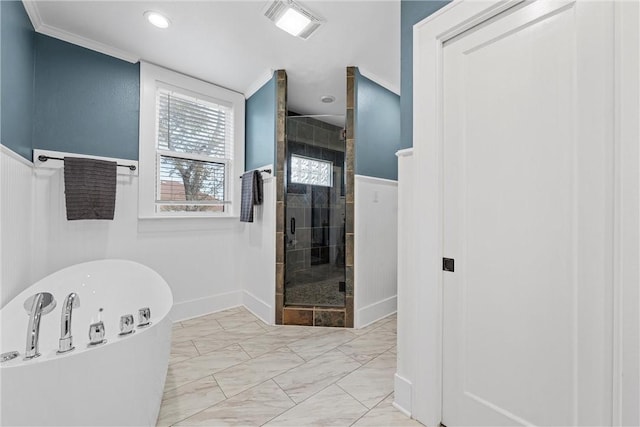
{"x":194,"y":145}
{"x":191,"y":125}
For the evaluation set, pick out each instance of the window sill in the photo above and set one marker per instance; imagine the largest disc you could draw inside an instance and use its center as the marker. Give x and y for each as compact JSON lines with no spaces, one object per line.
{"x":203,"y":217}
{"x":154,"y":224}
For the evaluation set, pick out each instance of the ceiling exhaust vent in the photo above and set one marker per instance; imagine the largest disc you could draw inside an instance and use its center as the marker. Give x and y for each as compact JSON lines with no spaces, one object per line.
{"x":292,"y":18}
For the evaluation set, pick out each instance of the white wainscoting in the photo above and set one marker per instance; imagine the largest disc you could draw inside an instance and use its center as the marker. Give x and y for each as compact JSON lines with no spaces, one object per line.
{"x":16,"y":209}
{"x":201,"y":258}
{"x":185,"y":310}
{"x":256,"y":266}
{"x":407,"y":308}
{"x":375,"y":256}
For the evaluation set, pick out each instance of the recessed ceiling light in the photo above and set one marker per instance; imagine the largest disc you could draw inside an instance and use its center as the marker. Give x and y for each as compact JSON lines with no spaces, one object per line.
{"x":157,"y":19}
{"x":327,"y":99}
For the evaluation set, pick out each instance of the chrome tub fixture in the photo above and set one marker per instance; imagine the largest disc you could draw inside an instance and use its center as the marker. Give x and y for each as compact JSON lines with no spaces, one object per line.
{"x":126,"y":324}
{"x":36,"y":306}
{"x":144,"y":317}
{"x":9,"y":355}
{"x":96,"y":334}
{"x":65,"y":344}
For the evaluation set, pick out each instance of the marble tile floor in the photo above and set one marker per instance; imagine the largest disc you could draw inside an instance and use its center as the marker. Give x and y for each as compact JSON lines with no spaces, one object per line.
{"x":231,"y":369}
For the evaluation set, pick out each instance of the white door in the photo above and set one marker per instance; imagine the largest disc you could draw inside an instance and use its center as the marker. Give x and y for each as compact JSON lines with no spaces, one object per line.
{"x":528,"y":179}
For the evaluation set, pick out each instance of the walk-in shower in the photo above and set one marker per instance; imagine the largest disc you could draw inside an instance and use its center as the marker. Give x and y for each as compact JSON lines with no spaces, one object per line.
{"x":315,"y":212}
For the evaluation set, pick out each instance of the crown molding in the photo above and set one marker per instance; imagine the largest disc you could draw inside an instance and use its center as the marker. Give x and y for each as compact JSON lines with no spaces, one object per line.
{"x":33,"y":13}
{"x":31,"y":7}
{"x":262,"y":79}
{"x":379,"y":80}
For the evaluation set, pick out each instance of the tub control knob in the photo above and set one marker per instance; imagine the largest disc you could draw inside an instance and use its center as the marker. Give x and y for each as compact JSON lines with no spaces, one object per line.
{"x":144,"y":317}
{"x":126,"y":324}
{"x":96,"y":333}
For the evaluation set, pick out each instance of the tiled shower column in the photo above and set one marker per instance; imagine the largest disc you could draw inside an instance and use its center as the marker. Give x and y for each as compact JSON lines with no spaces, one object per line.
{"x":281,"y":175}
{"x":349,"y":212}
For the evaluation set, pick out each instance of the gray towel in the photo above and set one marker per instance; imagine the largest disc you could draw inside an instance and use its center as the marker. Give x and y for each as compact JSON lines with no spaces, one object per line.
{"x":251,"y":194}
{"x":89,"y":188}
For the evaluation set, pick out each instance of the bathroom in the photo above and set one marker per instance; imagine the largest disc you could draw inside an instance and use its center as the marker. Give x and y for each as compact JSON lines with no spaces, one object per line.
{"x":347,"y":300}
{"x":210,"y":265}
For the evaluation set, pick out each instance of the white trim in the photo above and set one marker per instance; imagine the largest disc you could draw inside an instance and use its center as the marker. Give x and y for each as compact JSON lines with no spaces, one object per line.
{"x":626,"y":320}
{"x":9,"y":152}
{"x":205,"y":314}
{"x":391,"y":87}
{"x":429,"y":36}
{"x":405,"y":152}
{"x":56,"y":164}
{"x":402,"y":394}
{"x":259,"y":308}
{"x":31,"y":7}
{"x":377,"y":311}
{"x":77,"y":40}
{"x":376,"y":180}
{"x":152,"y":76}
{"x":257,"y":84}
{"x":199,"y":307}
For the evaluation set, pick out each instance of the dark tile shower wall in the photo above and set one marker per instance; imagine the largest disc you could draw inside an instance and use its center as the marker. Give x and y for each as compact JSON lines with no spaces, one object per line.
{"x":318,"y":316}
{"x":319,"y":213}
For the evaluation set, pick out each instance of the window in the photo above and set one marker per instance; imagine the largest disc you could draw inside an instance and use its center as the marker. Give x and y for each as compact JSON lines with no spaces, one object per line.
{"x":305,"y":170}
{"x":191,"y":138}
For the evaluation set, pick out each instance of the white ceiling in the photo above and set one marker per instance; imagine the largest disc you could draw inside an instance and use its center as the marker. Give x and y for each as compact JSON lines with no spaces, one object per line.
{"x":232,"y":43}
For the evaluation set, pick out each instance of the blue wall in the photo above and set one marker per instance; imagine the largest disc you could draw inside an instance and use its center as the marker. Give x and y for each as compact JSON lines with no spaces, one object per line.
{"x":411,"y":12}
{"x":17,"y":76}
{"x":86,"y":102}
{"x":377,"y":122}
{"x":260,"y":131}
{"x":61,"y":97}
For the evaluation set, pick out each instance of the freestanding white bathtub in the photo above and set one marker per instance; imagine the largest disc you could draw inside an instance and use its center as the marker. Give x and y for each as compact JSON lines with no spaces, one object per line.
{"x":116,"y":383}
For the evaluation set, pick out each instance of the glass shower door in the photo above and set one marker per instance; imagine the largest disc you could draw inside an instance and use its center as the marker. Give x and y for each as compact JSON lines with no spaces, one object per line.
{"x":315,"y":213}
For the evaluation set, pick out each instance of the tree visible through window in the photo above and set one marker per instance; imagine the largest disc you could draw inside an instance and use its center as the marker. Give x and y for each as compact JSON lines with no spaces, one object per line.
{"x":194,"y":152}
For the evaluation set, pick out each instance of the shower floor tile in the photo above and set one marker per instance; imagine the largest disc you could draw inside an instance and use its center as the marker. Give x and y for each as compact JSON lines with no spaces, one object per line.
{"x":229,"y":368}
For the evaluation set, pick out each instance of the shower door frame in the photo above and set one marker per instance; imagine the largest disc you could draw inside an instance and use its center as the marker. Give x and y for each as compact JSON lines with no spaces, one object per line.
{"x":313,"y":316}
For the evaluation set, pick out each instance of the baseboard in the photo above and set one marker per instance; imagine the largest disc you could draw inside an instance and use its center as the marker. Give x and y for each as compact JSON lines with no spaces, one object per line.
{"x":402,"y":395}
{"x":201,"y":306}
{"x":258,"y":307}
{"x":376,"y":311}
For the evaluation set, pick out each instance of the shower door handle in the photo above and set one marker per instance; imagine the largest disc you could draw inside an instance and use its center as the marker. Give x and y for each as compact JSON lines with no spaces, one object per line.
{"x":293,"y":226}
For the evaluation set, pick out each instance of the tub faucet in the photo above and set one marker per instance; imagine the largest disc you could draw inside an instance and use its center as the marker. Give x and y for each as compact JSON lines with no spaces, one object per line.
{"x":65,"y":343}
{"x":36,"y":305}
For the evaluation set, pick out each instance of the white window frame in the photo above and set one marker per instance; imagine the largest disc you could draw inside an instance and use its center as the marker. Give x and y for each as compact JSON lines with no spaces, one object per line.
{"x":152,"y":78}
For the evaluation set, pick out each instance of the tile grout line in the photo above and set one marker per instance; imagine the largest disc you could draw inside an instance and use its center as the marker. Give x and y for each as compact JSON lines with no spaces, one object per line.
{"x":217,"y":385}
{"x":352,"y":396}
{"x":324,"y":388}
{"x":213,"y":373}
{"x":275,"y":332}
{"x":222,"y":401}
{"x":366,"y":413}
{"x":278,"y":348}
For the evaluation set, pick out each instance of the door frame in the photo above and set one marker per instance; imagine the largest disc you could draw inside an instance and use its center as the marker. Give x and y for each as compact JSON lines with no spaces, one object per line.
{"x":425,"y":265}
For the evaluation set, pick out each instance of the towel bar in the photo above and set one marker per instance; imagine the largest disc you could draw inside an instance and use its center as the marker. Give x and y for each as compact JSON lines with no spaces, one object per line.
{"x":262,"y":170}
{"x":45,"y":158}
